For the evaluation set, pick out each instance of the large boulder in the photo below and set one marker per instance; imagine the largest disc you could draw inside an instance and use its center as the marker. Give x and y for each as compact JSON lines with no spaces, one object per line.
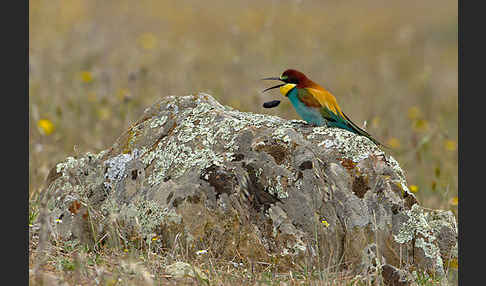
{"x":196,"y":174}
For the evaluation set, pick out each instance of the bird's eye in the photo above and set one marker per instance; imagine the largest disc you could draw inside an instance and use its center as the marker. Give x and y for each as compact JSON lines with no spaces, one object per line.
{"x":293,"y":80}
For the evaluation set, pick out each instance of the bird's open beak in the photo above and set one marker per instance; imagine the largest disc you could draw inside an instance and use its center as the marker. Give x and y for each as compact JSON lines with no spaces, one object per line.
{"x":273,"y":78}
{"x":273,"y":103}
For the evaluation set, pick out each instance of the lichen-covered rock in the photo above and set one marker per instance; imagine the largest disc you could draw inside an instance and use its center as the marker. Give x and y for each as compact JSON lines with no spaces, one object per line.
{"x":182,"y":269}
{"x":195,"y":174}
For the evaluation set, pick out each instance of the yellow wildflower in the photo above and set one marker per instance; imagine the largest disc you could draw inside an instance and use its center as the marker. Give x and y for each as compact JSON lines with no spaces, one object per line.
{"x":125,"y":250}
{"x":420,"y":125}
{"x":414,"y":112}
{"x":325,"y":223}
{"x":450,"y":145}
{"x":147,"y":41}
{"x":454,"y":201}
{"x":393,"y":142}
{"x":86,"y":76}
{"x":413,"y":188}
{"x":155,"y":238}
{"x":453,"y":263}
{"x":45,"y":126}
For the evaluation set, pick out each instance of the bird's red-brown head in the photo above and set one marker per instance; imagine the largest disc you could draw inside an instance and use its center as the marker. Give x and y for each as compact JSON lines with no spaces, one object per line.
{"x":296,"y":77}
{"x":291,"y":78}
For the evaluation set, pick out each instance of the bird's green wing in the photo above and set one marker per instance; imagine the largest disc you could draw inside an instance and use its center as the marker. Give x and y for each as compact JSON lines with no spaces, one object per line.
{"x":335,"y":120}
{"x":327,"y":105}
{"x":331,"y":116}
{"x":310,"y":99}
{"x":307,"y":98}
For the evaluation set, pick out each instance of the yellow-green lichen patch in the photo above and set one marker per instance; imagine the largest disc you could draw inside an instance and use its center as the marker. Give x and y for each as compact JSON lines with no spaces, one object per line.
{"x":417,"y":227}
{"x":205,"y":136}
{"x":444,"y":225}
{"x":151,"y":216}
{"x":281,"y":134}
{"x":72,"y":164}
{"x":275,"y":188}
{"x":350,"y":145}
{"x":441,"y":218}
{"x":417,"y":222}
{"x":190,"y":146}
{"x":158,"y":121}
{"x":68,"y":164}
{"x":148,"y":218}
{"x":76,"y":176}
{"x":115,"y":167}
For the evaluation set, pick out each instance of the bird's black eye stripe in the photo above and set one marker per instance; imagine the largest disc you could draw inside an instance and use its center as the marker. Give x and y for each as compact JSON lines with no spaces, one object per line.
{"x":286,"y":79}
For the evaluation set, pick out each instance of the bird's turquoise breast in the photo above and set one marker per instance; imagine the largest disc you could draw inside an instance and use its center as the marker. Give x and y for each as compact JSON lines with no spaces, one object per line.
{"x":309,"y":114}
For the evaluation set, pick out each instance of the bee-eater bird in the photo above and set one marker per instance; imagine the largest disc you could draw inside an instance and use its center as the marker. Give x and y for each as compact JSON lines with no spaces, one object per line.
{"x":313,"y":103}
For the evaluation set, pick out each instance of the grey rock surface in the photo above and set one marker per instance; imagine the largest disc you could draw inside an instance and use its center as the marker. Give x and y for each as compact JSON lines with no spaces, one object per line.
{"x":197,"y":174}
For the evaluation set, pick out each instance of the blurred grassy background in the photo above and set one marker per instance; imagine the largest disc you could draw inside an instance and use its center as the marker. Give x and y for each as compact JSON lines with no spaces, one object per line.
{"x":95,"y":65}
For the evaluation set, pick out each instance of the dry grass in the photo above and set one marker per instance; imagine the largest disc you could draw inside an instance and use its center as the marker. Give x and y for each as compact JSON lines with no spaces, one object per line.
{"x":95,"y":65}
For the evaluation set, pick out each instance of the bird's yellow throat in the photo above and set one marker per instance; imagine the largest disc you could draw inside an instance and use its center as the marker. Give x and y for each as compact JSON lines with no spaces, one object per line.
{"x":284,"y":89}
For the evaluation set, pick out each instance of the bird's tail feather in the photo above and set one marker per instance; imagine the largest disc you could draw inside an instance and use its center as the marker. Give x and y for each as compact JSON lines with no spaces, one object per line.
{"x":363,"y":133}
